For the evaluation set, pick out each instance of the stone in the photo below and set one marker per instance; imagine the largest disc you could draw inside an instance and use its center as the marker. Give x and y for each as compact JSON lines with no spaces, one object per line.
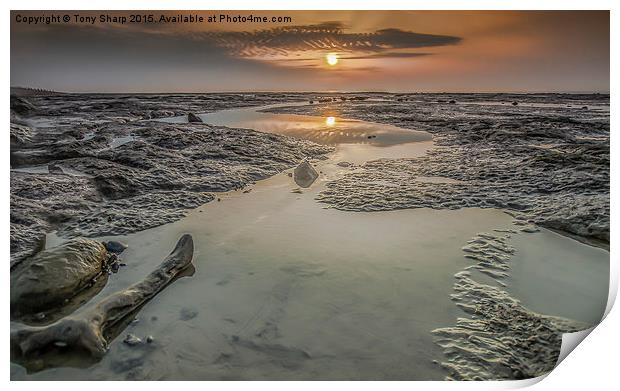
{"x":191,"y":117}
{"x":304,"y":174}
{"x":132,"y":340}
{"x":56,"y":274}
{"x":115,"y":247}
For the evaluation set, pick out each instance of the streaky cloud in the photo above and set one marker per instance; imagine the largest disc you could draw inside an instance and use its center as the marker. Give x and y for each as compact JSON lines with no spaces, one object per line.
{"x":329,"y":36}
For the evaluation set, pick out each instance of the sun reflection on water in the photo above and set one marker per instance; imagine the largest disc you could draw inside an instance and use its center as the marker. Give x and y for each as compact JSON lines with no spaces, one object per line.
{"x":330,"y":121}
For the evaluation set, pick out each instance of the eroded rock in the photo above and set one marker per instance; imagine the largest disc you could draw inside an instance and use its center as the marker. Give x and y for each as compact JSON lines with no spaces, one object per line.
{"x":55,"y":275}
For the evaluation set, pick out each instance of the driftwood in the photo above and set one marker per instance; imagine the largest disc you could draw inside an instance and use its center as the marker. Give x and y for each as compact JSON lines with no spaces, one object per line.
{"x":87,"y":331}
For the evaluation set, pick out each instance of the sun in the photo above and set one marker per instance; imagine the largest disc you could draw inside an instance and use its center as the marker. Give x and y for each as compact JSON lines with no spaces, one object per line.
{"x":330,"y":121}
{"x":332,"y":59}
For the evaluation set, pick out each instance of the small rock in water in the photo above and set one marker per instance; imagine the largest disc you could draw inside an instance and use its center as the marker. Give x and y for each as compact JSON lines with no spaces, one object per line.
{"x":149,"y":339}
{"x":132,"y":340}
{"x":515,"y":103}
{"x":344,"y":164}
{"x":191,"y":117}
{"x":305,"y":174}
{"x":115,"y":247}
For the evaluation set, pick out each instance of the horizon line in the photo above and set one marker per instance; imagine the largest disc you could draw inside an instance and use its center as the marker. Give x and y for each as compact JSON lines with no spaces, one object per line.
{"x":316,"y":92}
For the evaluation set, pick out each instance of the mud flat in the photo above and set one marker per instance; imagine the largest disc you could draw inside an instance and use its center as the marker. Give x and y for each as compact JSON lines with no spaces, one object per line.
{"x":289,"y":288}
{"x":545,"y":163}
{"x":286,"y":287}
{"x":71,"y":173}
{"x":276,"y":295}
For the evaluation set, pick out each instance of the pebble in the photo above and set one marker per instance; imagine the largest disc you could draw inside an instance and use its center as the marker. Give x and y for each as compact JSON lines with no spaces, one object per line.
{"x":132,"y":340}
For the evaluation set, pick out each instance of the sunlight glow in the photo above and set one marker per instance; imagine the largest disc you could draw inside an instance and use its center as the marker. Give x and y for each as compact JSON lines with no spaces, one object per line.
{"x":332,"y":59}
{"x":330,"y":121}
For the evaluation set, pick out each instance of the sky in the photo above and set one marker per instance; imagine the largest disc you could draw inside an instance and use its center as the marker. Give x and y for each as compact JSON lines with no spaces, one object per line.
{"x":393,"y":51}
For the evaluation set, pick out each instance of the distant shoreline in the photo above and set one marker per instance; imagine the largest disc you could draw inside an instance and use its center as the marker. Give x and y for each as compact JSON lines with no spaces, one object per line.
{"x":27,"y":91}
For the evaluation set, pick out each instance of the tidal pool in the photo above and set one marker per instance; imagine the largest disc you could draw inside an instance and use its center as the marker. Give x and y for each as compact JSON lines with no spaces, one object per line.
{"x":286,"y":288}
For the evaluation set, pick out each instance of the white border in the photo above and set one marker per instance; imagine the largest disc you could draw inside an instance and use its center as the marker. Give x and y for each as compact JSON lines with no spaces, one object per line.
{"x":592,"y":365}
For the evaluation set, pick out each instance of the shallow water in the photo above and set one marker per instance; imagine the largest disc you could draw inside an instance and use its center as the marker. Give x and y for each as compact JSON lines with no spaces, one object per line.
{"x":555,"y":275}
{"x":285,"y":288}
{"x":357,"y":141}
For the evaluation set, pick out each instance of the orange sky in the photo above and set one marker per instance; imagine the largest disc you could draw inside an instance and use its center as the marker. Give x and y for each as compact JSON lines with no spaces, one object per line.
{"x":458,"y":51}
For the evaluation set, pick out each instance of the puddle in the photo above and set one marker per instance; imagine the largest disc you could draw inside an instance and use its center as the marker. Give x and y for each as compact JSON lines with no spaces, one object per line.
{"x":45,"y":169}
{"x":554,"y":275}
{"x":355,"y":141}
{"x":88,"y":136}
{"x":285,"y":288}
{"x":118,"y":141}
{"x":40,"y":169}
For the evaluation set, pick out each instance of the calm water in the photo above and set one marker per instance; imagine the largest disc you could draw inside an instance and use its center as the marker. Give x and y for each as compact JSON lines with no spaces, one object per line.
{"x":285,"y":288}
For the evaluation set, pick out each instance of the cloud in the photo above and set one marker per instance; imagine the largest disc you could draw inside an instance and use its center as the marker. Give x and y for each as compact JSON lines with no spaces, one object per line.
{"x":329,"y":36}
{"x":386,"y":55}
{"x":84,"y":57}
